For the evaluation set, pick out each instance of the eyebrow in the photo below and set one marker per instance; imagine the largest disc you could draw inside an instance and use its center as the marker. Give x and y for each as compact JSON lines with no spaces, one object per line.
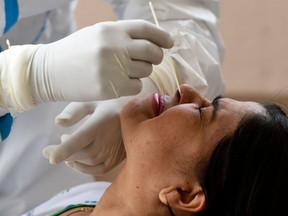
{"x":215,"y":104}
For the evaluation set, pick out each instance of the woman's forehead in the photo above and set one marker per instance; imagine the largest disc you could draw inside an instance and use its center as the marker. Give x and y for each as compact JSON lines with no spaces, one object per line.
{"x":242,"y":106}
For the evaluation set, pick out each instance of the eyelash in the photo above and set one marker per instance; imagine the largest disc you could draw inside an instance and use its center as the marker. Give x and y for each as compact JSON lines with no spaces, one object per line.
{"x":201,"y":112}
{"x":214,"y":103}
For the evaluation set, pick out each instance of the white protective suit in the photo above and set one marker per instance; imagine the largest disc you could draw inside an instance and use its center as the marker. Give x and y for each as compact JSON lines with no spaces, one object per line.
{"x":199,"y":51}
{"x":26,"y":178}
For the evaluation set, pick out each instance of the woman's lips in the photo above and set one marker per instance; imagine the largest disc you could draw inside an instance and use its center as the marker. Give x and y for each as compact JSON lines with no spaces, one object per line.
{"x":157,"y":103}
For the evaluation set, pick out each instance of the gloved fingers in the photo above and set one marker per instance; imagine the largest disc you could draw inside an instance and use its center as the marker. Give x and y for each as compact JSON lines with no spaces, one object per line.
{"x":74,"y":112}
{"x":98,"y":157}
{"x":140,"y":69}
{"x":46,"y":152}
{"x":92,"y":154}
{"x":141,"y":29}
{"x":131,"y":87}
{"x":79,"y":139}
{"x":116,"y":155}
{"x":85,"y":152}
{"x":65,"y":137}
{"x":144,"y":50}
{"x":111,"y":157}
{"x":88,"y":169}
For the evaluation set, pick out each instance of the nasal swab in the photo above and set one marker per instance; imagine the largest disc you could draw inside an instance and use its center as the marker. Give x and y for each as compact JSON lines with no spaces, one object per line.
{"x":165,"y":51}
{"x":154,"y":14}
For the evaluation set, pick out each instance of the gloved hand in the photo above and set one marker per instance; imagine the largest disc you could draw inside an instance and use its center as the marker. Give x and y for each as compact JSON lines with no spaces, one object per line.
{"x":98,"y":62}
{"x":102,"y":61}
{"x":96,"y":146}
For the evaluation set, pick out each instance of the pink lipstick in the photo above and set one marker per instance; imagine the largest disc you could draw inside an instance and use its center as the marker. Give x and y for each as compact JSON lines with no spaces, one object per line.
{"x":157,"y":103}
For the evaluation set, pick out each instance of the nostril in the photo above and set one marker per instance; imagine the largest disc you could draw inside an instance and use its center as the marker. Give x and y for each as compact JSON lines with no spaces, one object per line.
{"x":178,"y":95}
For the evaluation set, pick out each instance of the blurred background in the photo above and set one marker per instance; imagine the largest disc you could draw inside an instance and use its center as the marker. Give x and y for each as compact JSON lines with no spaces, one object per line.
{"x":255,"y":33}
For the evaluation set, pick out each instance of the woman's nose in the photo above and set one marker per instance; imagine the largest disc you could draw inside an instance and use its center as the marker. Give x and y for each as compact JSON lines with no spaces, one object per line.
{"x":191,"y":95}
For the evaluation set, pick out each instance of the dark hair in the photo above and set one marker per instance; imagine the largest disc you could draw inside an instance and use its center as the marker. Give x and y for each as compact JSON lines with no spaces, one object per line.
{"x":247,"y":174}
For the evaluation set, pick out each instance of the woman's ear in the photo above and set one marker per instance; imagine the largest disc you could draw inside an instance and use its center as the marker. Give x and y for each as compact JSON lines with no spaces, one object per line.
{"x":189,"y":199}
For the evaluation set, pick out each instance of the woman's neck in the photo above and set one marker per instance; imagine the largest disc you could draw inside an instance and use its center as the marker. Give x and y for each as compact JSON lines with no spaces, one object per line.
{"x":130,"y":194}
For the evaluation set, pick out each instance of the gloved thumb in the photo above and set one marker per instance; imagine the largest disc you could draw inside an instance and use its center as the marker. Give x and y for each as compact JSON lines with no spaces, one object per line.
{"x":48,"y":151}
{"x":73,"y":113}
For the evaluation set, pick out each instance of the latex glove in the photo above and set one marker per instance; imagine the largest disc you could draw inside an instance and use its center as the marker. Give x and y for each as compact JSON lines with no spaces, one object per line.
{"x":103,"y":61}
{"x":98,"y":62}
{"x":96,"y":146}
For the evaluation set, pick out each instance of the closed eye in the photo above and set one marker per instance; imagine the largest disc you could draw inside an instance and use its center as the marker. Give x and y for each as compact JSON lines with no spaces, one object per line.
{"x":201,"y":112}
{"x":215,"y":105}
{"x":215,"y":102}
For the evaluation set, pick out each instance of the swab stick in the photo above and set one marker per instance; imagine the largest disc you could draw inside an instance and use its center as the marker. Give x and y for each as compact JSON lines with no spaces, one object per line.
{"x":165,"y":53}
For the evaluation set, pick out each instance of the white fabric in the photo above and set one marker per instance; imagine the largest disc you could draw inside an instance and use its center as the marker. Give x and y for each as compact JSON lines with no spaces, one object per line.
{"x":89,"y":193}
{"x":165,"y":76}
{"x":31,"y":8}
{"x":2,"y":16}
{"x":26,"y":179}
{"x":198,"y":51}
{"x":44,"y":28}
{"x":118,"y":7}
{"x":196,"y":56}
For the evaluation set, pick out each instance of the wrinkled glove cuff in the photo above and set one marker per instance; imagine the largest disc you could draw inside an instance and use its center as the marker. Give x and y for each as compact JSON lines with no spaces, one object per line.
{"x":15,"y":66}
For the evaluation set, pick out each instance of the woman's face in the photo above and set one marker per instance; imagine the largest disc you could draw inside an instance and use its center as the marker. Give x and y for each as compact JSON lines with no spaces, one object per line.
{"x":161,"y":131}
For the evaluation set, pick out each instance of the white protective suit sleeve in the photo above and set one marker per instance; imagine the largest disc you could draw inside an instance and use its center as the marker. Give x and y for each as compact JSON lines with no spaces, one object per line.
{"x":195,"y":58}
{"x":94,"y":63}
{"x":13,"y":10}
